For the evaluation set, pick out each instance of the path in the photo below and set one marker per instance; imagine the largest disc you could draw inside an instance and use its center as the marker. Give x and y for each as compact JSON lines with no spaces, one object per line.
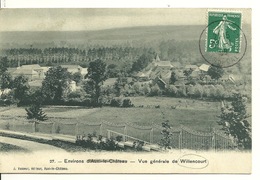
{"x":29,"y":145}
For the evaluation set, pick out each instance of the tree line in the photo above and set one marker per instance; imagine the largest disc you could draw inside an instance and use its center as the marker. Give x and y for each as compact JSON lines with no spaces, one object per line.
{"x":55,"y":55}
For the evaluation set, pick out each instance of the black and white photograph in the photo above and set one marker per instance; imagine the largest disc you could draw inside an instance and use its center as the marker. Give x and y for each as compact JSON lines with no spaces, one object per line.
{"x":155,"y":90}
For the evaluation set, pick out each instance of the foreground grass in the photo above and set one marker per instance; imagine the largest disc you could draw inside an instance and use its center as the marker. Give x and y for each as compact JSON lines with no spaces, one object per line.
{"x":11,"y":148}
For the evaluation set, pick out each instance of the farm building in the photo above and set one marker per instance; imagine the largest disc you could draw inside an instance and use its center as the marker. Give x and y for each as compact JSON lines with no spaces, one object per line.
{"x":32,"y":72}
{"x":161,"y":65}
{"x":29,"y":73}
{"x":204,"y":67}
{"x":156,"y":69}
{"x":76,"y":69}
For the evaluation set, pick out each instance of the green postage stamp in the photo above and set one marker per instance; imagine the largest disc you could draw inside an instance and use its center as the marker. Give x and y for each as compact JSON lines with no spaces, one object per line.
{"x":224,"y":32}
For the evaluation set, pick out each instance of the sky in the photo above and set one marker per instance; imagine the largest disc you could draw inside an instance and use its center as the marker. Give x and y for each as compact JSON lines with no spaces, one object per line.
{"x":95,"y":19}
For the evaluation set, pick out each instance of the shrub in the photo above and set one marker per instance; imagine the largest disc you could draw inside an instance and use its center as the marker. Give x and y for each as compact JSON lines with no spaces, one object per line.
{"x":75,"y":94}
{"x":212,"y":91}
{"x":172,"y":90}
{"x":220,"y":91}
{"x":35,"y":112}
{"x":155,"y":91}
{"x":119,"y":138}
{"x":190,"y":90}
{"x":137,"y":87}
{"x":127,"y":103}
{"x":206,"y":91}
{"x":101,"y":144}
{"x":198,"y":91}
{"x":7,"y":126}
{"x":138,"y":145}
{"x":116,"y":102}
{"x":7,"y":99}
{"x":166,"y":135}
{"x":182,"y":91}
{"x":146,"y":89}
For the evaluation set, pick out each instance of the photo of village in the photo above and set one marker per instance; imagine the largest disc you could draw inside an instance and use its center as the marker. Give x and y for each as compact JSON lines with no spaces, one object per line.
{"x":127,"y":88}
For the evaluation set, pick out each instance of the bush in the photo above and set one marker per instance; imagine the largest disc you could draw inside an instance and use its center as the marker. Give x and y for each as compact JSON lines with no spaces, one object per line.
{"x":127,"y":103}
{"x":100,"y":144}
{"x":198,"y":91}
{"x":116,"y":102}
{"x":155,"y":91}
{"x":7,"y":99}
{"x":172,"y":90}
{"x":220,"y":91}
{"x":190,"y":90}
{"x":75,"y":94}
{"x":78,"y":102}
{"x":146,"y":89}
{"x":182,"y":92}
{"x":138,"y":145}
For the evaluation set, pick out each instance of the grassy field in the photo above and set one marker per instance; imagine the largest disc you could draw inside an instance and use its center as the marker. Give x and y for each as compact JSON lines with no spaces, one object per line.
{"x":195,"y":114}
{"x":198,"y":115}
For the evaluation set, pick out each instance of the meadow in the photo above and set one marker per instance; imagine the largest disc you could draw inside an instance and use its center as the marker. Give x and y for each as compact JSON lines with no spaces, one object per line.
{"x":196,"y":114}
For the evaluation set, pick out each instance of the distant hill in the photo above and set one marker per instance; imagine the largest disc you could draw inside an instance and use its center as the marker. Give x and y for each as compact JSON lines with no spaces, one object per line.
{"x":131,"y":36}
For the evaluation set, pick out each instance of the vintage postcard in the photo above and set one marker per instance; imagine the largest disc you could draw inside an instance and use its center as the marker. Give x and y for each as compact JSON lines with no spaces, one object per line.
{"x":125,"y":91}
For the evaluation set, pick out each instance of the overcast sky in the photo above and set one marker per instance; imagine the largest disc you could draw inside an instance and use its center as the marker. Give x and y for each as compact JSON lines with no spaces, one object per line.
{"x":96,"y":19}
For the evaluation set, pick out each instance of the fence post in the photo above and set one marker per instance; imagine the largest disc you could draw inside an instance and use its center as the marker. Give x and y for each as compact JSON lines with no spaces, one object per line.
{"x":180,"y":139}
{"x":13,"y":125}
{"x":125,"y":133}
{"x":34,"y":127}
{"x":100,"y":128}
{"x":108,"y":134}
{"x":77,"y":129}
{"x":53,"y":128}
{"x":214,"y":140}
{"x":151,"y":136}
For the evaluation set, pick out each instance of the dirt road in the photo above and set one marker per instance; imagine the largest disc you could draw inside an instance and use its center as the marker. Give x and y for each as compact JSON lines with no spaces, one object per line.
{"x":29,"y":145}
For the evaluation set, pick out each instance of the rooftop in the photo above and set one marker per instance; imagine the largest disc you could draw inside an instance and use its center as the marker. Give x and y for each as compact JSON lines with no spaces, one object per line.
{"x":204,"y":67}
{"x":25,"y":72}
{"x":71,"y":66}
{"x":163,"y":64}
{"x":31,"y":66}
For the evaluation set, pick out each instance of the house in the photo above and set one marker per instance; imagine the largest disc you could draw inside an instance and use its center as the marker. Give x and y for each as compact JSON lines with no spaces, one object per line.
{"x":72,"y":68}
{"x":176,"y":65}
{"x":76,"y":69}
{"x":11,"y":70}
{"x":143,"y":76}
{"x":230,"y":77}
{"x":41,"y":72}
{"x":30,"y":66}
{"x":163,"y":65}
{"x":204,"y":67}
{"x":84,"y":72}
{"x":32,"y":71}
{"x":109,"y":82}
{"x":160,"y":82}
{"x":156,"y":69}
{"x":29,"y":73}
